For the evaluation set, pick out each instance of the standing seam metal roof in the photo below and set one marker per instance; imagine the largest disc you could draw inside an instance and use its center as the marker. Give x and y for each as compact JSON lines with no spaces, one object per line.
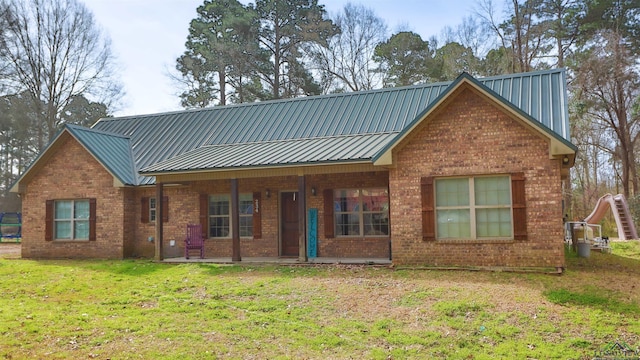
{"x":157,"y":138}
{"x":113,"y":151}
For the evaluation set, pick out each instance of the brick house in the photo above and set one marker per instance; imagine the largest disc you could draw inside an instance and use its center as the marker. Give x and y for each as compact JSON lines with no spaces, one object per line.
{"x":459,"y":174}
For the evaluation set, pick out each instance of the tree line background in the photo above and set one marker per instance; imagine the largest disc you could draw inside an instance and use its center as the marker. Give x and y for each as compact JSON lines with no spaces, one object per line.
{"x":56,"y":67}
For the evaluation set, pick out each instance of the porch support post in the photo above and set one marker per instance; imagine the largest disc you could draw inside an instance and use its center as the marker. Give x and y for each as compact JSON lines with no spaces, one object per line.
{"x":159,"y":225}
{"x":302,"y":216}
{"x":235,"y":221}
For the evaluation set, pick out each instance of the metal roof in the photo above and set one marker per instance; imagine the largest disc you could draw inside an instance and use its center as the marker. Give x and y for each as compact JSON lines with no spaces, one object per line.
{"x":159,"y":137}
{"x":113,"y":151}
{"x":324,"y":150}
{"x":558,"y":143}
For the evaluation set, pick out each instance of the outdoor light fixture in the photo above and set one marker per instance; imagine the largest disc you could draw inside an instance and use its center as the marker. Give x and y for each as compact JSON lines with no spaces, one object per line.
{"x":267,"y":193}
{"x":565,"y":160}
{"x":313,"y":190}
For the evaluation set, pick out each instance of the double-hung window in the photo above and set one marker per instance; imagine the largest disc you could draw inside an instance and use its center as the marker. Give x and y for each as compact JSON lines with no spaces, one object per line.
{"x":474,"y":208}
{"x":361,"y":212}
{"x":220,"y":215}
{"x":152,"y":209}
{"x":71,"y":219}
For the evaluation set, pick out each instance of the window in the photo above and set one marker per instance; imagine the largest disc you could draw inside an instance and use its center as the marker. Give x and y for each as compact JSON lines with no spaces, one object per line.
{"x":220,"y":215}
{"x":474,"y":208}
{"x":71,"y":220}
{"x":246,"y":215}
{"x":361,"y":212}
{"x":149,"y":209}
{"x":152,"y":209}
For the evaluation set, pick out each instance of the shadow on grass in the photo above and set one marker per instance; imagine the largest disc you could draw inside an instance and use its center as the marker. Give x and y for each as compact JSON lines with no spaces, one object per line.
{"x":615,"y":267}
{"x":623,"y":259}
{"x":116,"y":267}
{"x":593,"y":298}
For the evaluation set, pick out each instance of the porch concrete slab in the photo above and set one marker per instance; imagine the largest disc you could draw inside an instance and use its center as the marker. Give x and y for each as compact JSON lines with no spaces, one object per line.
{"x":281,"y":261}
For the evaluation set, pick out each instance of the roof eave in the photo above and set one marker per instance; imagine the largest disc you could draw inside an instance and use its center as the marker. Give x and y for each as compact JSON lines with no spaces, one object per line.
{"x":18,"y":186}
{"x":255,"y":167}
{"x":117,"y":180}
{"x":557,"y":144}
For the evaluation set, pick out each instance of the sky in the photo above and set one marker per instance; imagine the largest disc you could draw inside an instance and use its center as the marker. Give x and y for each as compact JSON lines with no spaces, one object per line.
{"x":147,"y":36}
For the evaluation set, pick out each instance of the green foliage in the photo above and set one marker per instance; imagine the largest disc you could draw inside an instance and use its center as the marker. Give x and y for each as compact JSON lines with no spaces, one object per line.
{"x":220,"y":39}
{"x":405,"y":59}
{"x":287,"y":25}
{"x":452,"y":59}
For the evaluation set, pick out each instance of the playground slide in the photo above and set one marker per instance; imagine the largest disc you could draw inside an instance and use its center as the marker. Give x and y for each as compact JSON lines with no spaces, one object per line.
{"x":621,"y":213}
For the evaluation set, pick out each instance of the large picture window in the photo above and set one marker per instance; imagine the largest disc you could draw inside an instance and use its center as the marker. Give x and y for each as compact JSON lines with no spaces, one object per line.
{"x":361,"y":212}
{"x":220,"y":215}
{"x":71,"y":220}
{"x":474,"y":208}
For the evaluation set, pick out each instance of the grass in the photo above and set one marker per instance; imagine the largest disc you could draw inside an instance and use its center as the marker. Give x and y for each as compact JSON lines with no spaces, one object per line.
{"x":137,"y":309}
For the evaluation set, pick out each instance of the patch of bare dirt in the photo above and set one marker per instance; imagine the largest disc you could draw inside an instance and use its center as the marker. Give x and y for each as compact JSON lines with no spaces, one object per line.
{"x":10,"y":250}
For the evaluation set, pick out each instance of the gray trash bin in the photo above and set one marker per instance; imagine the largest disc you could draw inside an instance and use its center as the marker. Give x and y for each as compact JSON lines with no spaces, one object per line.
{"x":584,"y":249}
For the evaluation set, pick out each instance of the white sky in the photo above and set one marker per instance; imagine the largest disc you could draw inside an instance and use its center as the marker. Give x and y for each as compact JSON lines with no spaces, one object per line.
{"x":148,"y":35}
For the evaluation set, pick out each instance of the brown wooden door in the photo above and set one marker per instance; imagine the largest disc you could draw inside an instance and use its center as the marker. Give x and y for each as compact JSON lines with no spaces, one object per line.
{"x":289,"y":223}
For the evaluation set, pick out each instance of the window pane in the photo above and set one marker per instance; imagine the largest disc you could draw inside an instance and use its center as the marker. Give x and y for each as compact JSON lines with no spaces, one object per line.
{"x":375,"y":200}
{"x":454,"y":224}
{"x":218,"y":205}
{"x":246,"y":204}
{"x":493,"y":222}
{"x":63,"y":209}
{"x":246,"y":226}
{"x":452,"y":192}
{"x":347,"y":200}
{"x":492,"y":191}
{"x":63,"y":229}
{"x":152,"y":209}
{"x":376,"y":224}
{"x":219,"y":226}
{"x":81,"y":229}
{"x":347,"y":224}
{"x":81,"y":209}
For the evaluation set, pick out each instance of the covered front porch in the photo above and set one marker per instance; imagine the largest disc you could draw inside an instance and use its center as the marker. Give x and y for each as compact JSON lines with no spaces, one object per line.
{"x":304,"y":216}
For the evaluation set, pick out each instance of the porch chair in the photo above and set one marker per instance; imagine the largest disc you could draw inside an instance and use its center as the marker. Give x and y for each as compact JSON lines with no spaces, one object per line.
{"x":194,"y":240}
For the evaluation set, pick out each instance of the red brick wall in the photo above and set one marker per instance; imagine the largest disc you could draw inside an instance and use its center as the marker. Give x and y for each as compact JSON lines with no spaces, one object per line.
{"x":471,"y":137}
{"x":72,"y":173}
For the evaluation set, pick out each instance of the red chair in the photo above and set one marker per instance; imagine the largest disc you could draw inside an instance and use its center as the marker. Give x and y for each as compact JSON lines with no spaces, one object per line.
{"x":194,"y":240}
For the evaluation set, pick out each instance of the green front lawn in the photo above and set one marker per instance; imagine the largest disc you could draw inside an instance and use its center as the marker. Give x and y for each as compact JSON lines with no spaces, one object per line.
{"x":143,"y":310}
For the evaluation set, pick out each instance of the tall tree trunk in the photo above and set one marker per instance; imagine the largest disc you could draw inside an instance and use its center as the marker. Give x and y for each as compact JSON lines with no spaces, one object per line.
{"x":222,"y":79}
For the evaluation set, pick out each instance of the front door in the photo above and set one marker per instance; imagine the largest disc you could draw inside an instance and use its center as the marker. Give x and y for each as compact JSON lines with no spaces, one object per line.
{"x":289,"y":223}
